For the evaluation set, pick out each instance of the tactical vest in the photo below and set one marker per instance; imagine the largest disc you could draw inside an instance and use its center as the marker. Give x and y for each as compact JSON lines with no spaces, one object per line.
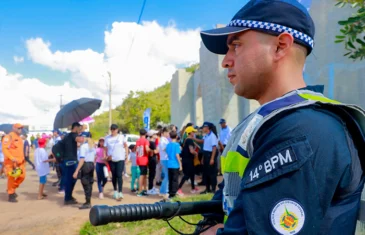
{"x":240,"y":147}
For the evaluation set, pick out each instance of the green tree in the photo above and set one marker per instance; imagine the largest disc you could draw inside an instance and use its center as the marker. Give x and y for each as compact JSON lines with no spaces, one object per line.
{"x":352,"y":31}
{"x":129,"y":114}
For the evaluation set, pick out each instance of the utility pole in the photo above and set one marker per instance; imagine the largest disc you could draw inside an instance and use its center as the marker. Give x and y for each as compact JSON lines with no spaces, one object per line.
{"x":61,"y":101}
{"x":110,"y":100}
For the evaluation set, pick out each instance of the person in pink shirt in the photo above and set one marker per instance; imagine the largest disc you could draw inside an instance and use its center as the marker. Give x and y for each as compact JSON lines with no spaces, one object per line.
{"x":100,"y":164}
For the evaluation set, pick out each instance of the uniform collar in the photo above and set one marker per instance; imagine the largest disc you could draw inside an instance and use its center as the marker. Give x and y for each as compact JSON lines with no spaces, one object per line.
{"x":315,"y":88}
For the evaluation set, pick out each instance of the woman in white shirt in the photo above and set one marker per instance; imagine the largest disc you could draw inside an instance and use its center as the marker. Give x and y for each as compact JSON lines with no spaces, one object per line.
{"x":117,"y":152}
{"x":86,"y":166}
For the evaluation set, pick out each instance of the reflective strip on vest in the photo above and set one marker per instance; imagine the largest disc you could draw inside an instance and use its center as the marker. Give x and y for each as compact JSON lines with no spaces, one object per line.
{"x":322,"y":99}
{"x":234,"y":162}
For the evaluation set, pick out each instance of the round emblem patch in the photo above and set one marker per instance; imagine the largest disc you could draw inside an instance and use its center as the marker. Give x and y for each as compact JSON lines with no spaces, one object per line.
{"x":287,"y":217}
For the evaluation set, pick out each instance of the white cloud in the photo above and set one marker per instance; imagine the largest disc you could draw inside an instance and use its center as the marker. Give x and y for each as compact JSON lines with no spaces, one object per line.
{"x":154,"y":57}
{"x":30,"y":101}
{"x":18,"y":59}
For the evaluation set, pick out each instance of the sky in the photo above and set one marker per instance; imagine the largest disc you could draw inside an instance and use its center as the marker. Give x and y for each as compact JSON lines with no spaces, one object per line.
{"x":49,"y":48}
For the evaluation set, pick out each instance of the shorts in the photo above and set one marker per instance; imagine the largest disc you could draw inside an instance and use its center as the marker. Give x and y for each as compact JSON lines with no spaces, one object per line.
{"x":43,"y":179}
{"x":143,"y":170}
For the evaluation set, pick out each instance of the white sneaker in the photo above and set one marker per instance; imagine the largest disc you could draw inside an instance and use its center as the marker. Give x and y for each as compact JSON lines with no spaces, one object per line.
{"x":101,"y":196}
{"x":121,"y":195}
{"x":115,"y":195}
{"x":151,"y":192}
{"x":126,"y":175}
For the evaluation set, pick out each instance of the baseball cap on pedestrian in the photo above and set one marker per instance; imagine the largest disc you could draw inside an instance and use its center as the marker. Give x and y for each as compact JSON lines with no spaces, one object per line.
{"x":151,"y":132}
{"x":113,"y":127}
{"x":18,"y":126}
{"x":190,"y":129}
{"x":206,"y":124}
{"x":42,"y":142}
{"x":222,"y":121}
{"x":268,"y":16}
{"x":57,"y":131}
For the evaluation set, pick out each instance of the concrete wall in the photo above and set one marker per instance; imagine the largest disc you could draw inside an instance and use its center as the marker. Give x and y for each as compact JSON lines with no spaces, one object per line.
{"x":206,"y":95}
{"x":343,"y":78}
{"x":198,"y":118}
{"x":182,"y":98}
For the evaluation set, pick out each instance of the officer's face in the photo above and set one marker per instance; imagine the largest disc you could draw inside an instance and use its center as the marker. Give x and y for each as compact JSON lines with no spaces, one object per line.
{"x":248,"y":62}
{"x":206,"y":130}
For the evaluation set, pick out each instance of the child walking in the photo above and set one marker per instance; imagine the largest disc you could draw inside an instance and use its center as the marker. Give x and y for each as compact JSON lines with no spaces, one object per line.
{"x":101,"y":163}
{"x":174,"y":164}
{"x":42,"y":166}
{"x":132,"y":157}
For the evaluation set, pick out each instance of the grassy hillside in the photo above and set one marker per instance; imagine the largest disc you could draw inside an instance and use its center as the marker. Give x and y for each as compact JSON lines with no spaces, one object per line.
{"x":130,"y":113}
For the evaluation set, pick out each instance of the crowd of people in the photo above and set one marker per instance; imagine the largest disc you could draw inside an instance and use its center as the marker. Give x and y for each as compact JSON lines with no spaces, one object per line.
{"x":157,"y":160}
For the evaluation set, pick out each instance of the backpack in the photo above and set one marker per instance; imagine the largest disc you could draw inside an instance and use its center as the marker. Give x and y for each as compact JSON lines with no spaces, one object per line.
{"x":58,"y":151}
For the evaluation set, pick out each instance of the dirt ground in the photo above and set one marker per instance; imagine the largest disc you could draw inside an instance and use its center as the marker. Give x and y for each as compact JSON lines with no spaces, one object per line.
{"x":50,"y":216}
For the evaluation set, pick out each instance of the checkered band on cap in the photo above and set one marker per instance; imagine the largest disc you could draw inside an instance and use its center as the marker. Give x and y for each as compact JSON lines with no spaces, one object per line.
{"x":252,"y":24}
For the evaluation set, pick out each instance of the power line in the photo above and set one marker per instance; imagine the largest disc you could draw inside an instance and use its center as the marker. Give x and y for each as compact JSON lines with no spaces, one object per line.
{"x":138,"y":22}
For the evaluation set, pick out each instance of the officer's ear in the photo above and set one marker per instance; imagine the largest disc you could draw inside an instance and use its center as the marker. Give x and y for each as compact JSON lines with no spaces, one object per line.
{"x":283,"y":43}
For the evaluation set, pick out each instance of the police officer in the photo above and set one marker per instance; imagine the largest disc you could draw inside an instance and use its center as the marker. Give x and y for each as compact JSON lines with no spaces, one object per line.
{"x":224,"y":136}
{"x":210,"y":142}
{"x":69,"y":163}
{"x":293,"y":166}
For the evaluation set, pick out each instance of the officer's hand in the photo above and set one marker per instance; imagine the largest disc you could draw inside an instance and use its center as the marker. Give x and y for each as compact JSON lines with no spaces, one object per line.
{"x":213,"y":230}
{"x":211,"y":161}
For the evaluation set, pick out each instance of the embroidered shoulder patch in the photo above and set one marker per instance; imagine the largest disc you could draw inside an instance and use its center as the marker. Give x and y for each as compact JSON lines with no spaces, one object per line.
{"x":287,"y":217}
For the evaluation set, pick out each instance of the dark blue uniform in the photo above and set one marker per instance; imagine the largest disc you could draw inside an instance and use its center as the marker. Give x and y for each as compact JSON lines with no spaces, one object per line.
{"x":324,"y":177}
{"x":69,"y":164}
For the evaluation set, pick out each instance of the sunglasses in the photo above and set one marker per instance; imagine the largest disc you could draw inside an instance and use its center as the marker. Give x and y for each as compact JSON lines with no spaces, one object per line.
{"x":113,"y":129}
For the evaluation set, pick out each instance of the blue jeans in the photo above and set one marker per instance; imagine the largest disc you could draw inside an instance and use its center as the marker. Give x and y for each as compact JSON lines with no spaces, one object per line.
{"x":102,"y":180}
{"x":165,"y":181}
{"x":69,"y":181}
{"x":62,"y":181}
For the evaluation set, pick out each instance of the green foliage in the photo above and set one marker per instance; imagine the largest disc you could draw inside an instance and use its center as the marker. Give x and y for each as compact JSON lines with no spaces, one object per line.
{"x":192,"y":68}
{"x":149,"y":227}
{"x":128,"y":116}
{"x":352,"y":31}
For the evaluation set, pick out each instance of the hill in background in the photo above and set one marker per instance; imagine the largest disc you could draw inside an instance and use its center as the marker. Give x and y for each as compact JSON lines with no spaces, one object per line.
{"x":129,"y":115}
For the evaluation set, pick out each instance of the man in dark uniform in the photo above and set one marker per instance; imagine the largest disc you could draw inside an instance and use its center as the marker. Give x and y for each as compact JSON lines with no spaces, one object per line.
{"x":70,"y":161}
{"x":292,"y":166}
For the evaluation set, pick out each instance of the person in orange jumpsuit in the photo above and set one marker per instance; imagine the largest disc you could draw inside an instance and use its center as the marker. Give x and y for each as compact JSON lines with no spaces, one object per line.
{"x":14,"y":157}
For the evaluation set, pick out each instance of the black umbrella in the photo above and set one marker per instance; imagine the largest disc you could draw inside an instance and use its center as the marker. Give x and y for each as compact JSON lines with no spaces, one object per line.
{"x":7,"y":128}
{"x":75,"y":111}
